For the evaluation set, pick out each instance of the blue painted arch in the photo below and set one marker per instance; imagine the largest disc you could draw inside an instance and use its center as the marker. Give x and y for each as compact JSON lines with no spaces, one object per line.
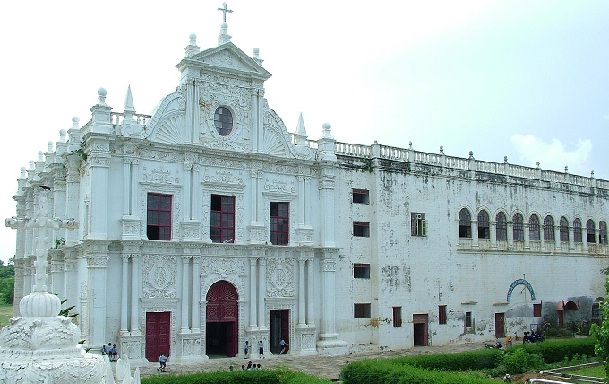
{"x":521,"y":282}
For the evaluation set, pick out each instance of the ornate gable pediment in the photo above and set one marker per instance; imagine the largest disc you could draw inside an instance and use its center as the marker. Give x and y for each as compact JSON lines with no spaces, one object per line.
{"x":228,"y":56}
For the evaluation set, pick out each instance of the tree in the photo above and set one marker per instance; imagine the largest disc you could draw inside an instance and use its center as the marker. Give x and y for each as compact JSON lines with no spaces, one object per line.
{"x":7,"y":283}
{"x":601,"y":334}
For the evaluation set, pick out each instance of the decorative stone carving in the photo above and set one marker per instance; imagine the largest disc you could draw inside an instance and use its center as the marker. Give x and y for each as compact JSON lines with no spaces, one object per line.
{"x":191,"y":347}
{"x":159,"y":276}
{"x":160,"y":175}
{"x":280,"y":277}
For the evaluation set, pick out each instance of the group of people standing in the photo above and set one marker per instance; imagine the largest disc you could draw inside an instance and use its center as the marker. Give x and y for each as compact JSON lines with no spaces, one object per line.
{"x":247,"y":348}
{"x":111,"y":351}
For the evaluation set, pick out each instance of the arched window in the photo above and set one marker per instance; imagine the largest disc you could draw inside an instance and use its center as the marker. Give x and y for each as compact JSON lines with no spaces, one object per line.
{"x":518,"y":227}
{"x":577,"y":231}
{"x":465,"y":224}
{"x":564,"y":229}
{"x":484,"y":228}
{"x":602,"y":232}
{"x":590,"y":231}
{"x":534,"y":228}
{"x":501,"y":228}
{"x":548,"y":228}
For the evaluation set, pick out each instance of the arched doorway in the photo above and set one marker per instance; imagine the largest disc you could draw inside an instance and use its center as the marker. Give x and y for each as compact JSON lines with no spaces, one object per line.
{"x":222,"y":314}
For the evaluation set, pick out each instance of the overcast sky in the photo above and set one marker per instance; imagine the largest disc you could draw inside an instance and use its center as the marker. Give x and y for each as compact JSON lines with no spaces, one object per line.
{"x":523,"y":79}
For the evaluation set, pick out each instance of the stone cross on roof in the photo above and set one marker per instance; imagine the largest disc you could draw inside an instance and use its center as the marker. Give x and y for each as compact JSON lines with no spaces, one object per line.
{"x":225,"y":10}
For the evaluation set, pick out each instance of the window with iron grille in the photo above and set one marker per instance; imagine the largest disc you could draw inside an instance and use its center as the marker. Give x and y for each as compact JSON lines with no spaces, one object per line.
{"x":442,"y":314}
{"x":484,"y":227}
{"x":564,"y":229}
{"x":158,"y":223}
{"x":397,"y":317}
{"x":548,"y":228}
{"x":361,"y":229}
{"x":222,"y":219}
{"x":501,"y":227}
{"x":362,"y":310}
{"x":418,"y":224}
{"x":361,"y":196}
{"x":361,"y":271}
{"x":534,"y":233}
{"x":517,"y":227}
{"x":280,"y":223}
{"x":465,"y":224}
{"x":577,"y":231}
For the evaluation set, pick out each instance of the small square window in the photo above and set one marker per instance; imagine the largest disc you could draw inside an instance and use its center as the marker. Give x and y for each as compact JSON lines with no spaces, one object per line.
{"x":418,"y":224}
{"x":361,"y":229}
{"x":361,"y":196}
{"x":361,"y":271}
{"x":442,"y":314}
{"x":397,"y":317}
{"x":362,"y":310}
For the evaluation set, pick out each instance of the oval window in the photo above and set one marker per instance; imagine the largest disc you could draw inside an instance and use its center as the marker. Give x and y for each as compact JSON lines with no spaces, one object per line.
{"x":223,"y":120}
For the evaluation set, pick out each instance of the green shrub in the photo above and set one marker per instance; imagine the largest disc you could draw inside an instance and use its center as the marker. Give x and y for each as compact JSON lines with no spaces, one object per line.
{"x":465,"y":361}
{"x":519,"y":360}
{"x":237,"y":377}
{"x":558,"y":350}
{"x":380,"y":371}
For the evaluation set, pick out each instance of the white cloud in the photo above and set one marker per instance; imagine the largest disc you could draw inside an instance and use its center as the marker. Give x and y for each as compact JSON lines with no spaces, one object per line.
{"x":553,"y":155}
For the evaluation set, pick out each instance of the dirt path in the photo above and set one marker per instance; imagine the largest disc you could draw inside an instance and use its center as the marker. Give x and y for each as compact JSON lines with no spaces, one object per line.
{"x":321,"y":366}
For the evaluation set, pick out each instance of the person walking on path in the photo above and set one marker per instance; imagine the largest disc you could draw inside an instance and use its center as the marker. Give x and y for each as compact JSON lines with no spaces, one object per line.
{"x":162,"y":362}
{"x":261,"y":349}
{"x":246,"y":349}
{"x":284,"y":346}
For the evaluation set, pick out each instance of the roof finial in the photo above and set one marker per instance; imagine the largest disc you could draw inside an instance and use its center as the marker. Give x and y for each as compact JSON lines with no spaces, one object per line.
{"x":224,"y":36}
{"x":224,"y":10}
{"x":129,"y":101}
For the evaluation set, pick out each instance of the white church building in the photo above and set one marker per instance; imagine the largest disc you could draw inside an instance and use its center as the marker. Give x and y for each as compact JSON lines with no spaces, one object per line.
{"x":207,"y":224}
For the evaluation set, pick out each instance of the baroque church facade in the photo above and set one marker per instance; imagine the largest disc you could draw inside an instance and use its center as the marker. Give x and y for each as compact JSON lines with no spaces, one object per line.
{"x":207,"y":224}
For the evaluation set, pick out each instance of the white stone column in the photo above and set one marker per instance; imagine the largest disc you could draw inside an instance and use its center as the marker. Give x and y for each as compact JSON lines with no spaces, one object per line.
{"x":97,"y":266}
{"x":510,"y":234}
{"x":493,"y":230}
{"x":301,"y":291}
{"x":328,"y":338}
{"x":135,"y":295}
{"x":525,"y":226}
{"x":328,"y":307}
{"x":557,"y":237}
{"x":184,"y":302}
{"x":99,"y":164}
{"x":188,"y":187}
{"x":326,"y":186}
{"x":475,"y":233}
{"x":261,"y":292}
{"x":310,"y":315}
{"x":253,"y":302}
{"x":302,"y":197}
{"x":127,"y":177}
{"x":196,"y":294}
{"x":73,"y":162}
{"x":124,"y":294}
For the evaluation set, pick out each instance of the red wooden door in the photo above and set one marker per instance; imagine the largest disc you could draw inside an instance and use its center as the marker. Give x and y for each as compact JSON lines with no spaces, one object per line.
{"x":499,"y":324}
{"x":158,"y":334}
{"x":222,"y":307}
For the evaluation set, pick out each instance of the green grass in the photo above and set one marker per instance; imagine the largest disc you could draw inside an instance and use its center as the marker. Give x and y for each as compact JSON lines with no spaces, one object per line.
{"x":6,"y":312}
{"x":597,"y":371}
